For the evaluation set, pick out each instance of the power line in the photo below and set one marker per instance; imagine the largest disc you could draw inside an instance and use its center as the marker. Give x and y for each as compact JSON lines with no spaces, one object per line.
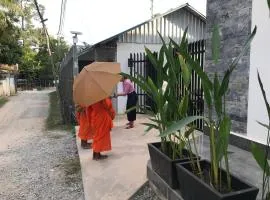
{"x":62,"y":17}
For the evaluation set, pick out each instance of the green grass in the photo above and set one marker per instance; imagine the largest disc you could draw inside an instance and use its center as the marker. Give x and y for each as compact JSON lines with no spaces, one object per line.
{"x":54,"y":120}
{"x":3,"y":100}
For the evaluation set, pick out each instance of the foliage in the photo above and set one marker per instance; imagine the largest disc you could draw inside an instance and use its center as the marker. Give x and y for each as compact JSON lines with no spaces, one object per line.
{"x":261,"y":155}
{"x":16,"y":24}
{"x":218,"y":121}
{"x":169,"y":109}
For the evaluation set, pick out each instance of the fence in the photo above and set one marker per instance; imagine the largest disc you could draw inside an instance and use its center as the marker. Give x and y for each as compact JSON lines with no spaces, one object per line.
{"x":139,"y":64}
{"x":23,"y":84}
{"x":65,"y":88}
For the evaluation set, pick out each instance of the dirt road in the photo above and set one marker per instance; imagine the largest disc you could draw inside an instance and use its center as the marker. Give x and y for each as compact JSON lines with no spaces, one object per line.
{"x":35,"y":163}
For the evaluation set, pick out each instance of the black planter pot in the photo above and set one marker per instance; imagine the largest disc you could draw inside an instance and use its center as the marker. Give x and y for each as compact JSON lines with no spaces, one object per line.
{"x":193,"y":188}
{"x":163,"y":165}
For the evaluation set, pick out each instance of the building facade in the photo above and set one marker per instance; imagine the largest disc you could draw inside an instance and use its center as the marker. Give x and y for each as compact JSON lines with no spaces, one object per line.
{"x":118,"y":48}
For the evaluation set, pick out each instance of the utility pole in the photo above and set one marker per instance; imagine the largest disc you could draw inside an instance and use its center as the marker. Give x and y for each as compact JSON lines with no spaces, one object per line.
{"x":152,"y":8}
{"x":42,"y":20}
{"x":75,"y":56}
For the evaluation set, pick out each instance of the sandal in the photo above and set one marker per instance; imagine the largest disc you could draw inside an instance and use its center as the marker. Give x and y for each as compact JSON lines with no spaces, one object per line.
{"x":130,"y":126}
{"x":98,"y":156}
{"x":86,"y":145}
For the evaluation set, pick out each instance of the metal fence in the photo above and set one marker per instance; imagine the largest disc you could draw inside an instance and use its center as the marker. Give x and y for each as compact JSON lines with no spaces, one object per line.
{"x":24,"y":84}
{"x":65,"y":88}
{"x":139,"y":64}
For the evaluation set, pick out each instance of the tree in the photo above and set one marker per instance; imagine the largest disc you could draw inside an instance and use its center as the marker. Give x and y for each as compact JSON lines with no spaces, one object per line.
{"x":32,"y":54}
{"x":10,"y":51}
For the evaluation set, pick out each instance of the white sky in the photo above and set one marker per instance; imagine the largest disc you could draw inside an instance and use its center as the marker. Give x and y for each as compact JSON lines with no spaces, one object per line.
{"x":100,"y":19}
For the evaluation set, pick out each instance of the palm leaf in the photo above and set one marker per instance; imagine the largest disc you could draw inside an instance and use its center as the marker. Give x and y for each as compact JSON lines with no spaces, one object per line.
{"x":178,"y":125}
{"x":264,"y":95}
{"x":260,"y":157}
{"x":264,"y":125}
{"x":223,"y":137}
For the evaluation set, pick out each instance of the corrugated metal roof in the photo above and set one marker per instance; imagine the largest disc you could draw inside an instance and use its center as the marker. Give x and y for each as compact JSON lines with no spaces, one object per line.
{"x":170,"y":24}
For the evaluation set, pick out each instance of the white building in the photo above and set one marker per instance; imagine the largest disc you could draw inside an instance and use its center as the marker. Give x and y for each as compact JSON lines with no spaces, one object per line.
{"x":119,"y":47}
{"x":7,"y":80}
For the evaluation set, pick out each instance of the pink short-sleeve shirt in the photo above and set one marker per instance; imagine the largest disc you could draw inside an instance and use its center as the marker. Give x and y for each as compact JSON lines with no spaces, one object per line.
{"x":128,"y":86}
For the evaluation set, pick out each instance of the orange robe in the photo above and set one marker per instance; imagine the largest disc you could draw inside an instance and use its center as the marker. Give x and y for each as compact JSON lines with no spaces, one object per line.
{"x":83,"y":118}
{"x":101,"y":121}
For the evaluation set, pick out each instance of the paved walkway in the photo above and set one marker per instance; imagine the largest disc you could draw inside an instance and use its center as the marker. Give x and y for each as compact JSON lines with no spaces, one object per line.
{"x":125,"y":170}
{"x":119,"y":176}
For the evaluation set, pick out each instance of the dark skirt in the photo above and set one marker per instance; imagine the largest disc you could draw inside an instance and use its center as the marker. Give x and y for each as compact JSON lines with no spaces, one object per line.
{"x":131,"y":102}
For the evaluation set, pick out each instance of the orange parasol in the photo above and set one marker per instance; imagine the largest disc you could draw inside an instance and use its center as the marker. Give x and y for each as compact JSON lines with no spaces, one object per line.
{"x":95,"y":82}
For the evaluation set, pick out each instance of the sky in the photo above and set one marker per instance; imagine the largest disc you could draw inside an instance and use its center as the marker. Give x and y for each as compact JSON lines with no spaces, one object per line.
{"x":101,"y":19}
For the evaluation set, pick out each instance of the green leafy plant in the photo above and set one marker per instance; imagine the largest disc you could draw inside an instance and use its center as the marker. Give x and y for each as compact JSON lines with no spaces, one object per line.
{"x":172,"y":71}
{"x":261,"y":155}
{"x":218,"y":121}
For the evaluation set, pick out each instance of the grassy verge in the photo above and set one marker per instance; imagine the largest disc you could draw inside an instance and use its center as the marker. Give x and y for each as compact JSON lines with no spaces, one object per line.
{"x":3,"y":100}
{"x":54,"y":120}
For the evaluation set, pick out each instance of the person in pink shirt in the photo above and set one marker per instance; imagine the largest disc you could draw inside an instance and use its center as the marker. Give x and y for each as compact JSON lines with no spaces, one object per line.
{"x":132,"y":98}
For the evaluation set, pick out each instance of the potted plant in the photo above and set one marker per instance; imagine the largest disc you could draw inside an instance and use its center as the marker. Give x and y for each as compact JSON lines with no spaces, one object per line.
{"x":210,"y":180}
{"x":167,"y":108}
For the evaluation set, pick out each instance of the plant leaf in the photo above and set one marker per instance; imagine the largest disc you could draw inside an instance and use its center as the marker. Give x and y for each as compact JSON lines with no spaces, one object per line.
{"x":223,"y":137}
{"x":225,"y":83}
{"x":150,"y":126}
{"x":260,"y":157}
{"x":226,"y":79}
{"x":216,"y":44}
{"x":207,"y":94}
{"x":197,"y":68}
{"x":186,"y":74}
{"x":244,"y":49}
{"x":217,"y":97}
{"x":264,"y":125}
{"x":178,"y":125}
{"x":264,"y":96}
{"x":189,"y":131}
{"x":152,"y":58}
{"x":183,"y":106}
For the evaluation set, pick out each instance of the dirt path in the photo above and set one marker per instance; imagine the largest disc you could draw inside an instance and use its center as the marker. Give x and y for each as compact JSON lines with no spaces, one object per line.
{"x":34,"y":163}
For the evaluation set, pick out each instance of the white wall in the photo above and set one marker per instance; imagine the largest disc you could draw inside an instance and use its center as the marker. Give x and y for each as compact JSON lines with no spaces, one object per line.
{"x":123,"y":53}
{"x":259,"y":60}
{"x":7,"y":86}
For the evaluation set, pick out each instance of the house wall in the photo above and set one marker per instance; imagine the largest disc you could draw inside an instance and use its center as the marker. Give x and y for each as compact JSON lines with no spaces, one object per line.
{"x":7,"y":85}
{"x":234,"y":20}
{"x":123,"y":53}
{"x":259,"y":60}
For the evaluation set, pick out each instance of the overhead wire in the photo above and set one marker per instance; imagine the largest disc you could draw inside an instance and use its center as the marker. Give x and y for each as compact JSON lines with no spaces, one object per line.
{"x":62,"y":18}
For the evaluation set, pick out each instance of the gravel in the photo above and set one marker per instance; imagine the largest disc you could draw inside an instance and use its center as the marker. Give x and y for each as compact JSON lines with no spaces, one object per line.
{"x":145,"y":193}
{"x":35,"y":163}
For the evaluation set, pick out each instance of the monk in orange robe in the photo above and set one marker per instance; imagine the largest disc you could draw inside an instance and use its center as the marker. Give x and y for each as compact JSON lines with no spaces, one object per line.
{"x":85,"y":131}
{"x":102,"y":122}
